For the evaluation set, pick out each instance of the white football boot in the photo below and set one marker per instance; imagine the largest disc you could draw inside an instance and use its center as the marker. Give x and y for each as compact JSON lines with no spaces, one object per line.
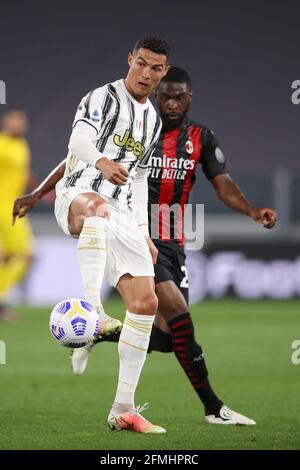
{"x":79,"y":359}
{"x":80,"y":356}
{"x":228,"y":416}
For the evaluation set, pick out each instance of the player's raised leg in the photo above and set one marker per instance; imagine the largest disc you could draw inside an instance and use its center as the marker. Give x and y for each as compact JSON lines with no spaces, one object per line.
{"x":141,"y":303}
{"x":89,"y":220}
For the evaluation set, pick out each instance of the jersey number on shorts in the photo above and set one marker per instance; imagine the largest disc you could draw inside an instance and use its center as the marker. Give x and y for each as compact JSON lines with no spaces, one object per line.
{"x":185,"y":282}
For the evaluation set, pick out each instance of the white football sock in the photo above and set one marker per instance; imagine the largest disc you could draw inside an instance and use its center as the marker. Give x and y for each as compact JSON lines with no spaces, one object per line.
{"x":92,"y":259}
{"x":133,"y":346}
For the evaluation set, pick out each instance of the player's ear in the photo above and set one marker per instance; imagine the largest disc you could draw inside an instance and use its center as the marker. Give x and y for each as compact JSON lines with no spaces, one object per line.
{"x":166,"y":70}
{"x":130,"y":59}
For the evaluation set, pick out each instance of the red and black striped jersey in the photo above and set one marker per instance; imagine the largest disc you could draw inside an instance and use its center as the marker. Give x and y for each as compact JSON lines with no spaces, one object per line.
{"x":171,"y":175}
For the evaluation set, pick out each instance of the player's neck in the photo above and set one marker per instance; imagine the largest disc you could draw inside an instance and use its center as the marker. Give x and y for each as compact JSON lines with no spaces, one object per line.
{"x":169,"y":126}
{"x":11,"y":135}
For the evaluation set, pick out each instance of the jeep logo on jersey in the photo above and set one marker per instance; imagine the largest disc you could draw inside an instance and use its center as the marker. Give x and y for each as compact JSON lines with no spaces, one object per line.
{"x":130,"y":144}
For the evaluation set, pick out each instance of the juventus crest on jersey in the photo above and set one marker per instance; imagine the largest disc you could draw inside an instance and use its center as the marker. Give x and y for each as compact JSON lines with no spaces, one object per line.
{"x":126,"y":131}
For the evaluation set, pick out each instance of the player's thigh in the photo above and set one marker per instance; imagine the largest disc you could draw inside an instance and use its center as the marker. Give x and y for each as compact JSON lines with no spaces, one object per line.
{"x":127,"y":253}
{"x":170,"y":266}
{"x":180,"y":275}
{"x":138,"y":294}
{"x":85,"y":205}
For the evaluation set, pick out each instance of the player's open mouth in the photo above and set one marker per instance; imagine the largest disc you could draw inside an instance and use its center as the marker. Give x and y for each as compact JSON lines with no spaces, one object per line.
{"x":172,"y":116}
{"x":143,"y":85}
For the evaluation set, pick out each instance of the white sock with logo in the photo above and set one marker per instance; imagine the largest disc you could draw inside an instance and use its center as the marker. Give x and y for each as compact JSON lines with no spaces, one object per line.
{"x":92,"y":259}
{"x":133,"y":346}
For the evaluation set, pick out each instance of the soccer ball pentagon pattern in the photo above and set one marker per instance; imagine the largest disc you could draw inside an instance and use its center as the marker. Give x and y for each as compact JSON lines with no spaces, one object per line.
{"x":74,"y":323}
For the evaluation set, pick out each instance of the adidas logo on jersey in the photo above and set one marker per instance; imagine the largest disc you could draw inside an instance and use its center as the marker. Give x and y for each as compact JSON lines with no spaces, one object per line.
{"x":129,"y":144}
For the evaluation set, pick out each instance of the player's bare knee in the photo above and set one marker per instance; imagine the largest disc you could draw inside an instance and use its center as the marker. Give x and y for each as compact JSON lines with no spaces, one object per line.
{"x":145,"y":305}
{"x":152,"y":303}
{"x":97,"y":208}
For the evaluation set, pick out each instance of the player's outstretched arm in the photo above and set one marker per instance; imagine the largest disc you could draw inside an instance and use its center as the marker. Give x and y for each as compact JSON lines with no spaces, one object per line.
{"x":233,"y":197}
{"x":24,"y":204}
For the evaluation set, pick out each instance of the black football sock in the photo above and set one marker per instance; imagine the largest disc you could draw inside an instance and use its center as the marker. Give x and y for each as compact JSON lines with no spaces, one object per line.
{"x":191,"y":359}
{"x":112,"y":338}
{"x":160,"y":341}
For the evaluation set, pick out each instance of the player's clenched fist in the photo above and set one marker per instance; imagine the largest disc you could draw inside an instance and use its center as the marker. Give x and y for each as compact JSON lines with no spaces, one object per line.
{"x":112,"y":171}
{"x":266,"y":217}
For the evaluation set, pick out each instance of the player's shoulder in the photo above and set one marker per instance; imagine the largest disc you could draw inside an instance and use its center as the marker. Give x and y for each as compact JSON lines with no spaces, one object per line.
{"x":197,"y":124}
{"x":4,"y":137}
{"x":154,"y":115}
{"x":151,"y":108}
{"x":116,"y":88}
{"x":100,"y":92}
{"x":206,"y":132}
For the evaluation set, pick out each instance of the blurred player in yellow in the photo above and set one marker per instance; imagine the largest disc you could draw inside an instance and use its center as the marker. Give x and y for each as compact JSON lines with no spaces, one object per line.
{"x":15,"y":242}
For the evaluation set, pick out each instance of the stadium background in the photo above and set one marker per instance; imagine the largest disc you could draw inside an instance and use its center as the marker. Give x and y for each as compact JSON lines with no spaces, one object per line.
{"x":242,"y":57}
{"x":242,"y":61}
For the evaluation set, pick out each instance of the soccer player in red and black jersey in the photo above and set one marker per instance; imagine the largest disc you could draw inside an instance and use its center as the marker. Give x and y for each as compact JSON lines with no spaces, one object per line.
{"x":183,"y":144}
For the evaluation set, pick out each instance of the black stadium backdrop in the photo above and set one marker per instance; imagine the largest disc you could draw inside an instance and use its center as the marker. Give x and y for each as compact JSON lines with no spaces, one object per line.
{"x":243,"y":58}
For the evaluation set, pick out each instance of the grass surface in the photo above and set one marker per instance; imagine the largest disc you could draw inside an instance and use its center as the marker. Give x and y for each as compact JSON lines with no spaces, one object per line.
{"x":248,"y":352}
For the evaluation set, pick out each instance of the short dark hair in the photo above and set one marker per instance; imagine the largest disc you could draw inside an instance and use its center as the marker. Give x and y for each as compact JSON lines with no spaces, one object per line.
{"x":178,"y":75}
{"x":154,"y":44}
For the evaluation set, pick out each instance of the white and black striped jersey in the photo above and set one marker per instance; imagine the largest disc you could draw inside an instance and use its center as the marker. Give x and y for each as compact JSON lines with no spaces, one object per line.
{"x":126,"y":131}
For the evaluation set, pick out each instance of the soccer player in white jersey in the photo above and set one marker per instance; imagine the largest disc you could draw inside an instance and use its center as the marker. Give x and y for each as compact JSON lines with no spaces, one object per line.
{"x":102,"y":200}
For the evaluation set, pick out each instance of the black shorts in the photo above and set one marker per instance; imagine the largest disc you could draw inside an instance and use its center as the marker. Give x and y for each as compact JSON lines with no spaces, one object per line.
{"x":170,"y":266}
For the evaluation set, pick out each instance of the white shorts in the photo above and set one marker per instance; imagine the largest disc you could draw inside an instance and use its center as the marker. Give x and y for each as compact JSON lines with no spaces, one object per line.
{"x":127,"y":249}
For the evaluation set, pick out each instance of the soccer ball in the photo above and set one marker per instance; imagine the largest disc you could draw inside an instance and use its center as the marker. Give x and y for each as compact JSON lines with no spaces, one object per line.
{"x":74,"y":323}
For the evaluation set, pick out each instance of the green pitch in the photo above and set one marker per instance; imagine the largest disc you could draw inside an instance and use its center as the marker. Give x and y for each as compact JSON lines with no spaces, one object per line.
{"x":248,"y":352}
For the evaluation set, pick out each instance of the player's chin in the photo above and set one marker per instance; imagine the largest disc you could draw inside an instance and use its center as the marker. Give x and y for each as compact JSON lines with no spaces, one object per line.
{"x":143,"y":89}
{"x":173,"y":121}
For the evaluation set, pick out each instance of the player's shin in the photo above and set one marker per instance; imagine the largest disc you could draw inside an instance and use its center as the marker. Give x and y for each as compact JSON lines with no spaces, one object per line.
{"x":133,"y":346}
{"x":92,"y":259}
{"x":190,"y":356}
